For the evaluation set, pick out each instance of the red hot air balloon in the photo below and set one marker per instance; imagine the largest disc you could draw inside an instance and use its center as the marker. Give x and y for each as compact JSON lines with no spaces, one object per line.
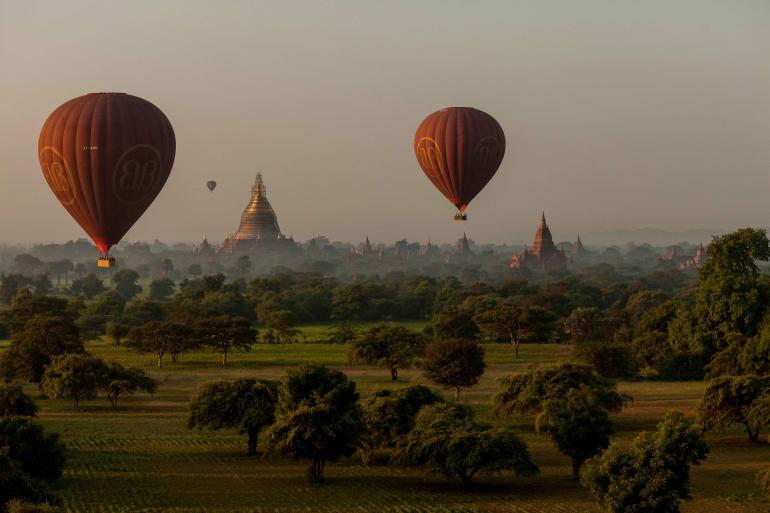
{"x":459,"y":149}
{"x":106,"y":156}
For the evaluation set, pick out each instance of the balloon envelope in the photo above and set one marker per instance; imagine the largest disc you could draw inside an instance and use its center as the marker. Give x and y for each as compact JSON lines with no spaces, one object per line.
{"x":106,"y":156}
{"x":211,"y":185}
{"x":459,"y":149}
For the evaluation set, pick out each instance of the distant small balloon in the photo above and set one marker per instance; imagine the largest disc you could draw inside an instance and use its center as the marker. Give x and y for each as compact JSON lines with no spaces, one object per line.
{"x":211,"y":185}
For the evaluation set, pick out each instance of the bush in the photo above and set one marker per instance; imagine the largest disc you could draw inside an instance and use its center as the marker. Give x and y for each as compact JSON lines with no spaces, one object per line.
{"x":17,"y":506}
{"x":763,"y":480}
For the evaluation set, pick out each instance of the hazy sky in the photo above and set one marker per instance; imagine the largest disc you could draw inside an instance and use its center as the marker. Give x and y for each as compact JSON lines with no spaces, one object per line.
{"x":618,"y":114}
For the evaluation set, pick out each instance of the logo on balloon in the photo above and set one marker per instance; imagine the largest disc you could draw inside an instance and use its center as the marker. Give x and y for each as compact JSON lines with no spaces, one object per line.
{"x":429,"y":156}
{"x":58,"y":174}
{"x":488,"y":153}
{"x":137,"y":174}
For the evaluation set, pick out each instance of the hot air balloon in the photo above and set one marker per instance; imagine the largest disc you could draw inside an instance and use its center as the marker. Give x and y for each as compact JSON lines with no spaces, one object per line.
{"x":211,"y":184}
{"x":106,"y":156}
{"x":459,"y":149}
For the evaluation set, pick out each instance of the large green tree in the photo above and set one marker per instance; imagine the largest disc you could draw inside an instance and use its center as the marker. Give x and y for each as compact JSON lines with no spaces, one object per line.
{"x":389,"y":415}
{"x":32,"y":348}
{"x":74,"y":377}
{"x":161,"y":338}
{"x":526,"y":393}
{"x":447,"y":440}
{"x":731,"y":296}
{"x":453,"y":322}
{"x":650,"y":476}
{"x":317,"y":417}
{"x":245,"y":404}
{"x":388,"y":345}
{"x":737,"y":400}
{"x":226,"y":334}
{"x":455,"y":363}
{"x":578,"y":423}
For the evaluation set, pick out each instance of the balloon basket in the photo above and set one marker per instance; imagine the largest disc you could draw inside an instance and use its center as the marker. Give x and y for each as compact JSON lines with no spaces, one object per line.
{"x":461,"y":216}
{"x":106,"y":261}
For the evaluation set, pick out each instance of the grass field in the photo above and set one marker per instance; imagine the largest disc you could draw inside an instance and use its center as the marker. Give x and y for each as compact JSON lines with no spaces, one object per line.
{"x":141,"y":457}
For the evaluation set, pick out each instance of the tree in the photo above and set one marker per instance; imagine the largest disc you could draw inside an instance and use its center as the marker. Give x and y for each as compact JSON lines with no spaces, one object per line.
{"x":32,"y":348}
{"x":25,"y":306}
{"x":526,"y":393}
{"x":119,"y":380}
{"x":446,"y":440}
{"x":390,"y":415}
{"x":42,"y":285}
{"x":10,"y":285}
{"x":582,"y":323}
{"x":226,"y":334}
{"x":15,"y":484}
{"x":452,"y":322}
{"x":125,"y":283}
{"x":39,"y":454}
{"x":26,"y":263}
{"x":13,"y":401}
{"x":516,"y":323}
{"x":737,"y":400}
{"x":650,"y":476}
{"x":60,"y":268}
{"x":609,"y":359}
{"x":74,"y":377}
{"x":388,"y":345}
{"x":578,"y":424}
{"x":317,"y":417}
{"x":160,"y":338}
{"x":243,"y":265}
{"x":247,"y":405}
{"x":195,"y":270}
{"x":117,"y":330}
{"x":90,"y":286}
{"x":455,"y":363}
{"x":166,"y":266}
{"x":141,"y":311}
{"x":281,"y":322}
{"x":161,"y":289}
{"x":342,"y":333}
{"x":731,"y":297}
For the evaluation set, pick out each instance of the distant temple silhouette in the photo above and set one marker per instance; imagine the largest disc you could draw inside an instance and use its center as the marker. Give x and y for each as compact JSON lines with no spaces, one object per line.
{"x":543,"y":254}
{"x":682,"y":261}
{"x":258,"y":229}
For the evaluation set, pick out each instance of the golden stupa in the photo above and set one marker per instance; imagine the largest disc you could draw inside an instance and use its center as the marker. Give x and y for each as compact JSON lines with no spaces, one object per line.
{"x":258,"y":220}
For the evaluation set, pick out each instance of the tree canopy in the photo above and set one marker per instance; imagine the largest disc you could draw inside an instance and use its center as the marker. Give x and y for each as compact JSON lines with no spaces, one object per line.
{"x":455,"y":363}
{"x":526,"y":393}
{"x":246,"y":404}
{"x":317,"y":417}
{"x":447,"y":440}
{"x":388,"y":345}
{"x":650,"y":476}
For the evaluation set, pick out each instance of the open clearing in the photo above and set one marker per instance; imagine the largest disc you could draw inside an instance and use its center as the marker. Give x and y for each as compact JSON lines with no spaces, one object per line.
{"x":141,"y":457}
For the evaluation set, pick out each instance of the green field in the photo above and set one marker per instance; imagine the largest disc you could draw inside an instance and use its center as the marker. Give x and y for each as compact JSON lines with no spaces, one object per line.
{"x":141,"y":457}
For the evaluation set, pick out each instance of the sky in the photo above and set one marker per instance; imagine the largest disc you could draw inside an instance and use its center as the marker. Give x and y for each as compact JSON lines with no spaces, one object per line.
{"x":618,"y":114}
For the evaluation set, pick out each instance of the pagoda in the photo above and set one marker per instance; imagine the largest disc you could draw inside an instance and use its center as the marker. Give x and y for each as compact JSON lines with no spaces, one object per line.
{"x":258,"y":229}
{"x":543,"y":253}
